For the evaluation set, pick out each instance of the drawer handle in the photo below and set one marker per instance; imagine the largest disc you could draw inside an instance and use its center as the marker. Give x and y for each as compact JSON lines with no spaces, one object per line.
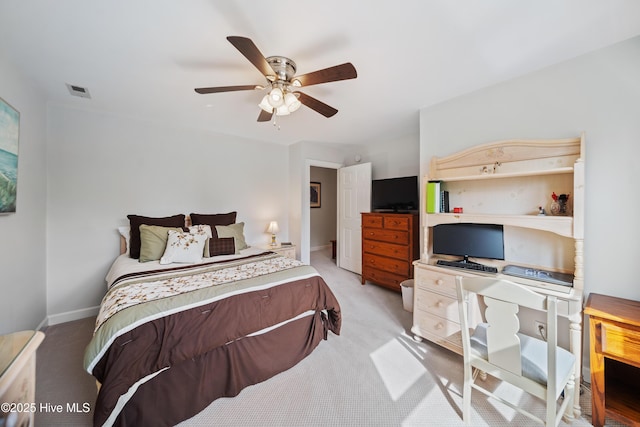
{"x":439,"y":282}
{"x":439,"y":304}
{"x":438,"y":326}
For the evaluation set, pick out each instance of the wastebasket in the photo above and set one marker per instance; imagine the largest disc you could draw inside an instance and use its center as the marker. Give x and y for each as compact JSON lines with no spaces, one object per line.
{"x":407,"y":294}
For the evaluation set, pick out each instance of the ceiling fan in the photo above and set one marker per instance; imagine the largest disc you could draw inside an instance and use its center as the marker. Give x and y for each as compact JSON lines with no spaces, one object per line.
{"x":283,"y":97}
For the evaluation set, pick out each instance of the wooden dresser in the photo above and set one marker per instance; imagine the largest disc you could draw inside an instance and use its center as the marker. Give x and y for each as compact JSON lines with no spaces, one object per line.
{"x":389,"y":246}
{"x":614,"y":326}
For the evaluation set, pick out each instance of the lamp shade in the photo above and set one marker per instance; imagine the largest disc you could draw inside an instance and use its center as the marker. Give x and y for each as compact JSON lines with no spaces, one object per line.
{"x":292,"y":102}
{"x":273,"y":227}
{"x":276,"y":97}
{"x":264,"y":104}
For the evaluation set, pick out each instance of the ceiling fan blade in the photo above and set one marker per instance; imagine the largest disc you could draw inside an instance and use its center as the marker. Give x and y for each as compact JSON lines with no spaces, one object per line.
{"x":338,"y":72}
{"x":253,"y":54}
{"x":314,"y":104}
{"x":204,"y":90}
{"x":264,"y":116}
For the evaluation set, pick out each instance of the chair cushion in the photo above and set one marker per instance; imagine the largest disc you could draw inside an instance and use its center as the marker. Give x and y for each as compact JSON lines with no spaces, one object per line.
{"x":534,"y":356}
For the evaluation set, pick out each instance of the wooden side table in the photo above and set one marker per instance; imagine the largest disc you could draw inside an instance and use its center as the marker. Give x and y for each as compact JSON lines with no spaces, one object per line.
{"x":615,"y":359}
{"x":18,"y":377}
{"x":288,"y":251}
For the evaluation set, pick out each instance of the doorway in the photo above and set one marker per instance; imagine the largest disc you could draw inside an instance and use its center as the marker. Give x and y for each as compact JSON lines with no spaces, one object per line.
{"x":323,"y":213}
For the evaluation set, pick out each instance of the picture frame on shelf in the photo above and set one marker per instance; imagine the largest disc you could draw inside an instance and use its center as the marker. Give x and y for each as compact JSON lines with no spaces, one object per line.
{"x":315,"y":195}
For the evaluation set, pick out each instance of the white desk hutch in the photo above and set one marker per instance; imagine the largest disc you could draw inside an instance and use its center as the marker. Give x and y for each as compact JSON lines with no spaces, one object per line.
{"x":507,"y":183}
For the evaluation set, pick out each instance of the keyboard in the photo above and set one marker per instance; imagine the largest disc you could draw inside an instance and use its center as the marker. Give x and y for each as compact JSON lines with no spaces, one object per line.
{"x":468,"y":266}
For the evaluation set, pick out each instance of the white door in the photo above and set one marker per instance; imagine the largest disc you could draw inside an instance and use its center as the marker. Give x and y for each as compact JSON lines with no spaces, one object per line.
{"x":354,"y":197}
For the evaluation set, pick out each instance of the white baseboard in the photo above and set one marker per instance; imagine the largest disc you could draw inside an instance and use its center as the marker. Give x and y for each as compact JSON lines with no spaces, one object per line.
{"x":69,"y":316}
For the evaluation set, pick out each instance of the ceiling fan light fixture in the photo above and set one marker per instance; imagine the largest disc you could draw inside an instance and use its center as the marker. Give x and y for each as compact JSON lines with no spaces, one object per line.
{"x":276,"y":97}
{"x":291,"y":101}
{"x":265,"y":105}
{"x":282,"y":110}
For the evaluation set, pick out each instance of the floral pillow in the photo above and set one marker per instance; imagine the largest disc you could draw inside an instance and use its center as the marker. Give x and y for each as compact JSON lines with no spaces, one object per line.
{"x":184,"y":247}
{"x":206,"y":230}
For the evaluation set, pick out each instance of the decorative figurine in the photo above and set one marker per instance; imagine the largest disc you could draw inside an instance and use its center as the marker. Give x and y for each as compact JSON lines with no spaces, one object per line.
{"x":559,"y":204}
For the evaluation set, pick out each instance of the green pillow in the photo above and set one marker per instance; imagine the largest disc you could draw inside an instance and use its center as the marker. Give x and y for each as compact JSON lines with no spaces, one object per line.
{"x":236,"y":231}
{"x":153,"y":241}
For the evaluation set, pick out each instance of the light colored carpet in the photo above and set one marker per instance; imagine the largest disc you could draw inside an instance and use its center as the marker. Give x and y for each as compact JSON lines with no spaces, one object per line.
{"x":373,"y":374}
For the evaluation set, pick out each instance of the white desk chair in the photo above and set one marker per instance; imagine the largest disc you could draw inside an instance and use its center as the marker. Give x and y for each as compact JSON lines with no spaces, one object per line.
{"x":498,"y":349}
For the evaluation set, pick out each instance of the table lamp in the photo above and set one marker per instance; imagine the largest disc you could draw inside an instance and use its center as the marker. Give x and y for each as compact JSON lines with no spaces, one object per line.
{"x":273,"y":229}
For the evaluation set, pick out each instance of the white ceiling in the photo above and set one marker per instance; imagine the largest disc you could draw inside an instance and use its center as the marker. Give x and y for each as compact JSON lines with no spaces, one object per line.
{"x":143,"y":58}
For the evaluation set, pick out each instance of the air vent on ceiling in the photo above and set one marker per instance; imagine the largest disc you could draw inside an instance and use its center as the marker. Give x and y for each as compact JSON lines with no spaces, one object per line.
{"x":80,"y":91}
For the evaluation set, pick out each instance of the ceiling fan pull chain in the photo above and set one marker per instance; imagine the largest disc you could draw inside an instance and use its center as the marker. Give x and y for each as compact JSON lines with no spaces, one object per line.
{"x":275,"y":121}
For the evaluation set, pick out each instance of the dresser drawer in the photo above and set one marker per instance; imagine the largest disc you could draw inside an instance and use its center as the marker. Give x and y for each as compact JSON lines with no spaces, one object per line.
{"x":620,"y":341}
{"x":386,"y":249}
{"x":436,"y":281}
{"x":391,"y":265}
{"x":396,"y":223}
{"x":375,"y":221}
{"x":384,"y":235}
{"x":440,"y":305}
{"x":434,"y":325}
{"x":384,"y":278}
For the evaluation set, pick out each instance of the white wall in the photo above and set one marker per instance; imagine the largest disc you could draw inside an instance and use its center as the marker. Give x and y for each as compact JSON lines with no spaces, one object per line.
{"x":23,"y":234}
{"x":103,"y":167}
{"x":394,"y":158}
{"x":598,"y":93}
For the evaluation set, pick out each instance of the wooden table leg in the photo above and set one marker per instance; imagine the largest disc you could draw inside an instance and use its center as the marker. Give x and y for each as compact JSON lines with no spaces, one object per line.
{"x":597,"y":375}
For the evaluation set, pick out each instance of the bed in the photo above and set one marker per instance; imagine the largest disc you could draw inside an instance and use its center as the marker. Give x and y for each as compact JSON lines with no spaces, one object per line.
{"x":171,"y":337}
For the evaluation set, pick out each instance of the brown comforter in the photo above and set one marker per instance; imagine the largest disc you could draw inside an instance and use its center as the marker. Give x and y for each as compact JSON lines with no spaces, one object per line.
{"x":163,"y":361}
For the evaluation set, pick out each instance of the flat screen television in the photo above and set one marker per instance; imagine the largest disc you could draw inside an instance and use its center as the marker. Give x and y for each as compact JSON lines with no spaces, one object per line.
{"x":395,"y":194}
{"x":469,"y":240}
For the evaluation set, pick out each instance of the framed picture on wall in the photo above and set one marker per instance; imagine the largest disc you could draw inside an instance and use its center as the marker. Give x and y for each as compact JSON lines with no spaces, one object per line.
{"x":315,"y":195}
{"x":9,"y":132}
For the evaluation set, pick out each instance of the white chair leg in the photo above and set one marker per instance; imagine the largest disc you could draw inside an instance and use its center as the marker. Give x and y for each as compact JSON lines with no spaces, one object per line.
{"x":469,"y":377}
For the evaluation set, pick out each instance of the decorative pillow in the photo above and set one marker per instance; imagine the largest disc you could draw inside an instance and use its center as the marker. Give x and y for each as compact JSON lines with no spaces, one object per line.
{"x":125,"y":231}
{"x":153,"y":240}
{"x":213,"y":220}
{"x":222,"y":246}
{"x":236,"y":231}
{"x":183,"y":247}
{"x":135,"y":221}
{"x":206,"y":230}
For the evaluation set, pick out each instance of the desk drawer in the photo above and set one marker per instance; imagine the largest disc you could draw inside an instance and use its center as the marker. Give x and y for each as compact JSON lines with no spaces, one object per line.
{"x":436,"y":281}
{"x":440,"y":305}
{"x":620,"y":342}
{"x":438,"y":326}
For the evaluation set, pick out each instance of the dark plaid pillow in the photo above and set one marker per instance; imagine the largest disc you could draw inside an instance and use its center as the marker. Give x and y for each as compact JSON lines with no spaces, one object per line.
{"x":222,"y":246}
